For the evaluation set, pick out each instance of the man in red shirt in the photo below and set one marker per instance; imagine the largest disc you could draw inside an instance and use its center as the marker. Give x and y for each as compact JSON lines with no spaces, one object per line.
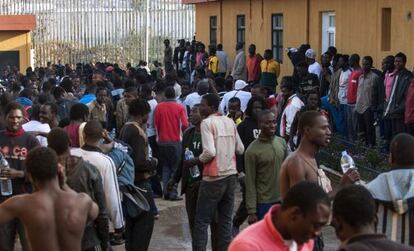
{"x":290,"y":226}
{"x":253,"y":65}
{"x":352,"y":94}
{"x":170,"y":119}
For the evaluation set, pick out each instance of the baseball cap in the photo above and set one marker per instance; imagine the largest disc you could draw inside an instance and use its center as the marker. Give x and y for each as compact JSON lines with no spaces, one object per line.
{"x":310,"y":53}
{"x":239,"y":85}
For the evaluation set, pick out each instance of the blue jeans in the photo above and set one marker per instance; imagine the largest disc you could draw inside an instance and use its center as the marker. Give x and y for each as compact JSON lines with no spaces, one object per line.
{"x":170,"y":155}
{"x":214,"y":197}
{"x":343,"y":120}
{"x":262,"y":209}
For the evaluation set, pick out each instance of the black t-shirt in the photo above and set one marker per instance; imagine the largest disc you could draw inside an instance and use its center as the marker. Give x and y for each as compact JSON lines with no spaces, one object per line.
{"x":248,"y":131}
{"x":15,"y":150}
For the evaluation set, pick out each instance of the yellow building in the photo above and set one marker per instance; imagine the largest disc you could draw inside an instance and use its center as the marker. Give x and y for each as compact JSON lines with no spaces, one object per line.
{"x":368,"y":27}
{"x":15,"y":40}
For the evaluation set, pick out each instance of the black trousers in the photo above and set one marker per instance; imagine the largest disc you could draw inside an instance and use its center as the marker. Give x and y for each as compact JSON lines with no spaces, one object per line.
{"x":241,"y":213}
{"x":366,"y":127}
{"x":397,"y":126}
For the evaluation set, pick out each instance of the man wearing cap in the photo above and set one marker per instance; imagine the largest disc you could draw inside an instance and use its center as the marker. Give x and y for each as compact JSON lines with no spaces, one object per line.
{"x":238,"y":92}
{"x":314,"y":67}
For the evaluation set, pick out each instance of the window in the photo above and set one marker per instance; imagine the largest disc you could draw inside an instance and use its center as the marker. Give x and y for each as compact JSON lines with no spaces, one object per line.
{"x":277,"y":37}
{"x":386,"y":29}
{"x":213,"y":30}
{"x":328,"y":30}
{"x":241,"y":29}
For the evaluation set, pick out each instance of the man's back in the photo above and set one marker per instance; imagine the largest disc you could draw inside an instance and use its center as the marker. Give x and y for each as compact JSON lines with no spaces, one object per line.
{"x":169,"y":118}
{"x":55,"y":220}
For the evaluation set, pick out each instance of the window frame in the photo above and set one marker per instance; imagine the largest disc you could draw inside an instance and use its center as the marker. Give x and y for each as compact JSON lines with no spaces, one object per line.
{"x":240,"y":29}
{"x":213,"y":30}
{"x":277,"y":49}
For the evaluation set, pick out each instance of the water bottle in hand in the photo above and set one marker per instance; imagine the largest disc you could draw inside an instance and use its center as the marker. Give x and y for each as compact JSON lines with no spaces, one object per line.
{"x":194,"y":171}
{"x":347,"y":162}
{"x":5,"y":183}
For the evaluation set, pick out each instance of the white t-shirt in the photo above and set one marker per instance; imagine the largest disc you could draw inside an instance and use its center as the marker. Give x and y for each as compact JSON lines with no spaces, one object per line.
{"x":242,"y":95}
{"x":36,"y":126}
{"x":343,"y":86}
{"x":192,"y":99}
{"x":315,"y":68}
{"x":150,"y":123}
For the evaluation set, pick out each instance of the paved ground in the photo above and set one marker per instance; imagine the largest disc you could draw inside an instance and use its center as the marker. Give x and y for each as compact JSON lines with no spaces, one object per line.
{"x":171,"y":231}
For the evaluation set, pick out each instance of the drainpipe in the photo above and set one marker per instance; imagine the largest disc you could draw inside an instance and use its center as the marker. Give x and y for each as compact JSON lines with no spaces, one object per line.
{"x":221,"y":21}
{"x":307,"y":20}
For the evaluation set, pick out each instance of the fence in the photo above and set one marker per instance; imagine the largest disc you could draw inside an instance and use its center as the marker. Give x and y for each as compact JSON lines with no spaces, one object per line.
{"x":112,"y":30}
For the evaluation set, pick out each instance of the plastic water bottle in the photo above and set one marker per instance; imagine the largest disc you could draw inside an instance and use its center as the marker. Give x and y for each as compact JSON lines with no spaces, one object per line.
{"x":347,"y":162}
{"x":194,"y":171}
{"x":5,"y":183}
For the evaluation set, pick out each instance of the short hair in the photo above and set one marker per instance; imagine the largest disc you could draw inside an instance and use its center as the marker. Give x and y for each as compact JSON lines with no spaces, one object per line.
{"x":78,"y":111}
{"x":93,"y":130}
{"x":249,"y":107}
{"x":239,"y":45}
{"x":139,"y":107}
{"x":53,"y":107}
{"x":145,"y":90}
{"x":11,"y":107}
{"x":169,"y":92}
{"x":401,"y":149}
{"x":264,"y":113}
{"x":58,"y":92}
{"x":289,"y":83}
{"x":355,"y":205}
{"x":58,"y":140}
{"x":355,"y":57}
{"x":307,"y":119}
{"x":101,"y":88}
{"x":212,"y":100}
{"x":402,"y":56}
{"x":41,"y":164}
{"x":345,"y":57}
{"x":219,"y":47}
{"x":305,"y":195}
{"x":332,"y":50}
{"x":27,"y":93}
{"x":369,"y":59}
{"x":235,"y":100}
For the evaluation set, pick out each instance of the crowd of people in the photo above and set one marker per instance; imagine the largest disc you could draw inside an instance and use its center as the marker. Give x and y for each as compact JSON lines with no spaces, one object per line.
{"x":89,"y":147}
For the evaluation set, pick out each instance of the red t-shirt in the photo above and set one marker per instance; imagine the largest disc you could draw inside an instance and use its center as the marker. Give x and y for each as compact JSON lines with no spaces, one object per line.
{"x":73,"y":131}
{"x":353,"y":86}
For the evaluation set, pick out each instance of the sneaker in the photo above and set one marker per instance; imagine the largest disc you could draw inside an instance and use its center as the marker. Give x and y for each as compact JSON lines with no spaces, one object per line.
{"x":156,"y":216}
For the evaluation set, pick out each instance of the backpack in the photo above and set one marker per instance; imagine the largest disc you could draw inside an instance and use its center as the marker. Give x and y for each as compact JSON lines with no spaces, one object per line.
{"x":124,"y":164}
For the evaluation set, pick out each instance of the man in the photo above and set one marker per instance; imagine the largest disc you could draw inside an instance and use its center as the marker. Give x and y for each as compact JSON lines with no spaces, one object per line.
{"x":305,"y":81}
{"x":240,"y":91}
{"x":292,"y":105}
{"x":48,"y":115}
{"x":14,"y":146}
{"x":248,"y":130}
{"x":35,"y":126}
{"x":79,"y":114}
{"x":52,"y":206}
{"x":129,"y":94}
{"x":239,"y":71}
{"x":393,"y":191}
{"x":326,"y":74}
{"x":364,"y":102}
{"x":133,"y":133}
{"x":170,"y":119}
{"x":97,"y":108}
{"x":270,"y":69}
{"x":216,"y":193}
{"x":223,"y":61}
{"x":409,"y":109}
{"x":213,"y":61}
{"x":83,"y":177}
{"x":290,"y":226}
{"x":395,"y":107}
{"x":91,"y":153}
{"x":389,"y":71}
{"x":195,"y":97}
{"x":234,"y":111}
{"x":64,"y":102}
{"x":253,"y":65}
{"x":313,"y":66}
{"x":342,"y":92}
{"x":263,"y":159}
{"x":301,"y":165}
{"x":351,"y":95}
{"x":179,"y":54}
{"x":168,"y":57}
{"x":354,"y":219}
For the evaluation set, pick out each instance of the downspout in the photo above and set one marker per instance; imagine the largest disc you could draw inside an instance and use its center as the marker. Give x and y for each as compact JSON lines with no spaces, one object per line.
{"x":307,"y":20}
{"x":221,"y":21}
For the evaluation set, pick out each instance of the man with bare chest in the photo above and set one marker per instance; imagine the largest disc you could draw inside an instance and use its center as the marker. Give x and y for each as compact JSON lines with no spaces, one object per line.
{"x":54,"y":216}
{"x":301,"y":165}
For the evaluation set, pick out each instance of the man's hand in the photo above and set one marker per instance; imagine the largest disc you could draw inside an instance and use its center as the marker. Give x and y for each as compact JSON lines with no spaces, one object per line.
{"x":252,"y":219}
{"x":190,"y":163}
{"x":12,"y":173}
{"x":350,"y":177}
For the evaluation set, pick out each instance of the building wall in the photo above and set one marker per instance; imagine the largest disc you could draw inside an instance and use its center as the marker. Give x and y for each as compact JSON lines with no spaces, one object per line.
{"x":17,"y":41}
{"x":358,"y":25}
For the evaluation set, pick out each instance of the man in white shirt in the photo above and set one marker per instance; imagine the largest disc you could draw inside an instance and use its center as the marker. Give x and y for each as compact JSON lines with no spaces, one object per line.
{"x":195,"y":97}
{"x":91,"y":153}
{"x":36,"y":126}
{"x":223,"y":61}
{"x":343,"y":90}
{"x":238,"y":92}
{"x":314,"y":67}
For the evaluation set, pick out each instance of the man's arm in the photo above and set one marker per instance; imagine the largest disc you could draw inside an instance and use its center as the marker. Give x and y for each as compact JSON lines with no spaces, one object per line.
{"x":8,"y":210}
{"x":239,"y":143}
{"x":184,"y":120}
{"x":209,"y":149}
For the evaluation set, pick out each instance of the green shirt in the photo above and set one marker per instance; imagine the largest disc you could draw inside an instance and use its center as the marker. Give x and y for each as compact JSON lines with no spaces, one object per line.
{"x":263,"y":159}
